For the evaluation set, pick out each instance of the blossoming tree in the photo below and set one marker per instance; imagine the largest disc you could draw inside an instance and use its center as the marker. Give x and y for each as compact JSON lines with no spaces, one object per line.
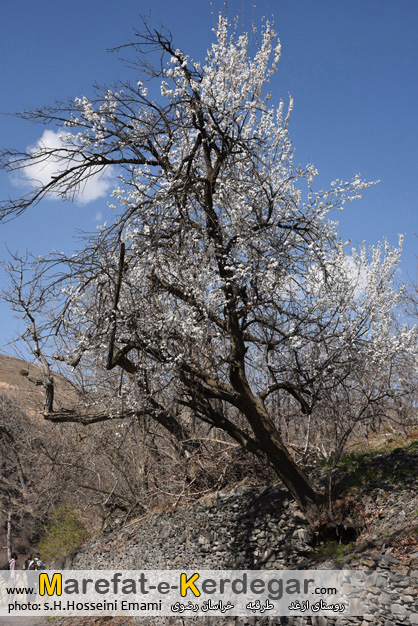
{"x":220,"y":281}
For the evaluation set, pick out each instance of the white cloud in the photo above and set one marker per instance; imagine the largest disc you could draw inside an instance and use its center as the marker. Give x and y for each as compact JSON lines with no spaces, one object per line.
{"x":43,"y":170}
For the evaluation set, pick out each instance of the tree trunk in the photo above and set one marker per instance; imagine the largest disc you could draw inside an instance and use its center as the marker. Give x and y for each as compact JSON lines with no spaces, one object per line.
{"x":9,"y":535}
{"x":292,"y":477}
{"x":278,"y":456}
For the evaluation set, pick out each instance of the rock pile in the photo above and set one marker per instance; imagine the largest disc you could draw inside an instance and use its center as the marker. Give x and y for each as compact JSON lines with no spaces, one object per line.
{"x":255,"y":527}
{"x":258,"y":527}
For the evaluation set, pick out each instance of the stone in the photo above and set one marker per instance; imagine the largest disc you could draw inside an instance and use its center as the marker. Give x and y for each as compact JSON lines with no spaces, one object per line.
{"x":389,"y":560}
{"x":299,"y":516}
{"x":320,"y":621}
{"x":385,"y":598}
{"x":303,"y":534}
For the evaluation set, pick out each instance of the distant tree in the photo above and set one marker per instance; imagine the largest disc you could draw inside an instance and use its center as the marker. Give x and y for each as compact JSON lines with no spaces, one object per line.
{"x":220,"y":281}
{"x":24,"y":481}
{"x":409,"y":371}
{"x":43,"y":466}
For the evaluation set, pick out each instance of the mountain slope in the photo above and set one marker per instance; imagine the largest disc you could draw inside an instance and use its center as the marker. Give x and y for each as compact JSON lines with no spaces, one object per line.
{"x":22,"y":381}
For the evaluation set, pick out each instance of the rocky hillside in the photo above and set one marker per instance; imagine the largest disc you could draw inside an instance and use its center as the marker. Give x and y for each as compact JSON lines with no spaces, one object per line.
{"x":258,"y":527}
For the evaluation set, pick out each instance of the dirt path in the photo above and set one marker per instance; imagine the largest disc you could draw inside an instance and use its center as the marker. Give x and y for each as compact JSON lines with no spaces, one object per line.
{"x":66,"y":621}
{"x":23,"y":621}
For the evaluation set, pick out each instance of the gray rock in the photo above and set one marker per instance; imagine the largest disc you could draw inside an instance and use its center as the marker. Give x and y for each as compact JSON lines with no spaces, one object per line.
{"x":251,"y":529}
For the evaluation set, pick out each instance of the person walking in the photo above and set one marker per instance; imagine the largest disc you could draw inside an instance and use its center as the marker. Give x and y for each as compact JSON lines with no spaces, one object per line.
{"x":12,"y":565}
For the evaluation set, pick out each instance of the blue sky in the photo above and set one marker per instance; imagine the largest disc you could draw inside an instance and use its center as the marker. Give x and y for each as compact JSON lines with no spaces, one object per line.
{"x":351,"y":68}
